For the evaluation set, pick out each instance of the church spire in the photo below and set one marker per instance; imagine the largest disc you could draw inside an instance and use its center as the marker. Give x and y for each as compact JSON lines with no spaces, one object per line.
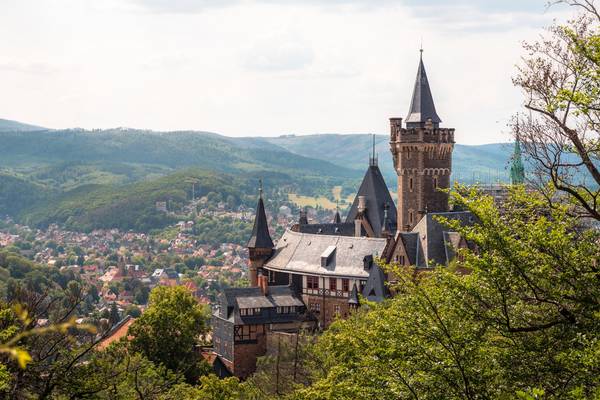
{"x":260,"y":233}
{"x":421,"y":105}
{"x":517,"y":171}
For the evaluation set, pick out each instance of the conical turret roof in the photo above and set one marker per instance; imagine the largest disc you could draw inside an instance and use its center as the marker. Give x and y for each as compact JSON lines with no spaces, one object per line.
{"x":260,"y":233}
{"x":422,"y":106}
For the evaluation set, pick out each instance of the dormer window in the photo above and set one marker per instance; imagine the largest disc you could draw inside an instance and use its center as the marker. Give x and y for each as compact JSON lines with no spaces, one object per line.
{"x":249,"y":311}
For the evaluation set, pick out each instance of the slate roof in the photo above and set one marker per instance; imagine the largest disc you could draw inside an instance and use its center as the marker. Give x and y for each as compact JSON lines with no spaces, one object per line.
{"x":301,"y":253}
{"x":353,"y":298}
{"x":414,"y":248}
{"x":422,"y":106}
{"x":341,"y":229}
{"x":260,"y":232}
{"x":232,"y":299}
{"x":337,"y":219}
{"x":434,"y":236}
{"x":375,"y":190}
{"x":375,"y":289}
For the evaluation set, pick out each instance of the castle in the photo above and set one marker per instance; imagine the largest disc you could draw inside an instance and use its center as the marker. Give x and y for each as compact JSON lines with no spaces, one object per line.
{"x":315,"y":272}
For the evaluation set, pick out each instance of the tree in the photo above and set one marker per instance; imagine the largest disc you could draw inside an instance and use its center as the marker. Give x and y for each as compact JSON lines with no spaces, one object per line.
{"x":560,"y":132}
{"x":115,"y":373}
{"x":524,"y":320}
{"x":114,"y":316}
{"x":133,"y":311}
{"x":167,"y":332}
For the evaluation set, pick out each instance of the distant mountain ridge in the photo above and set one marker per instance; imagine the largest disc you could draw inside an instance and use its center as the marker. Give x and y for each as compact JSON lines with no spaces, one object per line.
{"x":470,"y":163}
{"x":7,"y":125}
{"x":336,"y":155}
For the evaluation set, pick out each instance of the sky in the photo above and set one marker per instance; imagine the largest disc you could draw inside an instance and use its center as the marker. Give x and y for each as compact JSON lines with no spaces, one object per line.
{"x":264,"y":67}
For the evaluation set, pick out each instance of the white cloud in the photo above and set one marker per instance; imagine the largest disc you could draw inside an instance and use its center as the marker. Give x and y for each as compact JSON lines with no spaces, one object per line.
{"x":268,"y":67}
{"x":278,"y":53}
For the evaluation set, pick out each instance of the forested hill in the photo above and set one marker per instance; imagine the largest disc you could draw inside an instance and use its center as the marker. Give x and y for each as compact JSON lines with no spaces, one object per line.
{"x":168,"y":149}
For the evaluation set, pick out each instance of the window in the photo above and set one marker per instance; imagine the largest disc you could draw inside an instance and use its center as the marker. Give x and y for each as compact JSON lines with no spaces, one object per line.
{"x":284,"y":310}
{"x":249,"y":311}
{"x":410,"y":217}
{"x":271,"y":275}
{"x":408,"y":154}
{"x":312,"y":282}
{"x":402,"y":260}
{"x":316,"y":307}
{"x":336,"y":309}
{"x":332,"y":284}
{"x":410,"y":184}
{"x":346,"y":285}
{"x":435,"y":182}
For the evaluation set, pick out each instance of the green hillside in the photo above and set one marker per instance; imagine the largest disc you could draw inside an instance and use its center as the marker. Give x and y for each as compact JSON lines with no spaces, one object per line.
{"x":173,"y":150}
{"x":132,"y":206}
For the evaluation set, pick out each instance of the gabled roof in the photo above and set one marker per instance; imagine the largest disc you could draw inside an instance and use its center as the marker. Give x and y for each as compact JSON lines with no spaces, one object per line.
{"x":353,"y":298}
{"x":433,"y":234}
{"x":232,"y":299}
{"x":301,"y":253}
{"x":422,"y":106}
{"x":375,"y":289}
{"x":375,"y":190}
{"x":260,"y":232}
{"x":413,"y":247}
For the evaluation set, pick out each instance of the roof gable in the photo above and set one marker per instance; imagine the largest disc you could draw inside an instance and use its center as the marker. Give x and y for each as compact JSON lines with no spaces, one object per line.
{"x":377,"y":194}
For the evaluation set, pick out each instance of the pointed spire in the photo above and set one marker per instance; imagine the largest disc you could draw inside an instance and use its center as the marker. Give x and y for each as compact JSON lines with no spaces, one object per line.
{"x":353,"y":300}
{"x":517,"y":171}
{"x":261,"y":237}
{"x":337,"y":219}
{"x":373,"y":156}
{"x":422,"y":106}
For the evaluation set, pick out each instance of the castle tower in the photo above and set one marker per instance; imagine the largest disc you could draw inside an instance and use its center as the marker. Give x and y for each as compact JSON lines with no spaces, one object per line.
{"x":422,"y":154}
{"x":260,"y":245}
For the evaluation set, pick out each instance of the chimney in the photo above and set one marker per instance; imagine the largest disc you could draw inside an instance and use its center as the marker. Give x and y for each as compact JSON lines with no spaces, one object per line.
{"x":263,"y":283}
{"x":357,"y":228}
{"x":362,"y":204}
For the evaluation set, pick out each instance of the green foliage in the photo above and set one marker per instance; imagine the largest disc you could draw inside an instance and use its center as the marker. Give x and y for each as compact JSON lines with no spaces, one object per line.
{"x":169,"y":329}
{"x":525,"y":319}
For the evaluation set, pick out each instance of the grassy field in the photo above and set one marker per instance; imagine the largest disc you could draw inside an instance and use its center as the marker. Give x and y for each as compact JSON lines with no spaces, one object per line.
{"x":320,"y":201}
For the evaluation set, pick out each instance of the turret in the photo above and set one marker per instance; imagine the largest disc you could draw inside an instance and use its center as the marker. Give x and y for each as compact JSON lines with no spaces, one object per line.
{"x":260,"y":245}
{"x":422,"y":153}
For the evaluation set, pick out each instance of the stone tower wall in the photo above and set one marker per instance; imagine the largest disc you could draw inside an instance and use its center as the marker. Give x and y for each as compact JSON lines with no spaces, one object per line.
{"x":423,"y":163}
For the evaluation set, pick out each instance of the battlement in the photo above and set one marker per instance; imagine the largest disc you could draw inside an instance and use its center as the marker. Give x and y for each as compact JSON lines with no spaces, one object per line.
{"x":422,"y":134}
